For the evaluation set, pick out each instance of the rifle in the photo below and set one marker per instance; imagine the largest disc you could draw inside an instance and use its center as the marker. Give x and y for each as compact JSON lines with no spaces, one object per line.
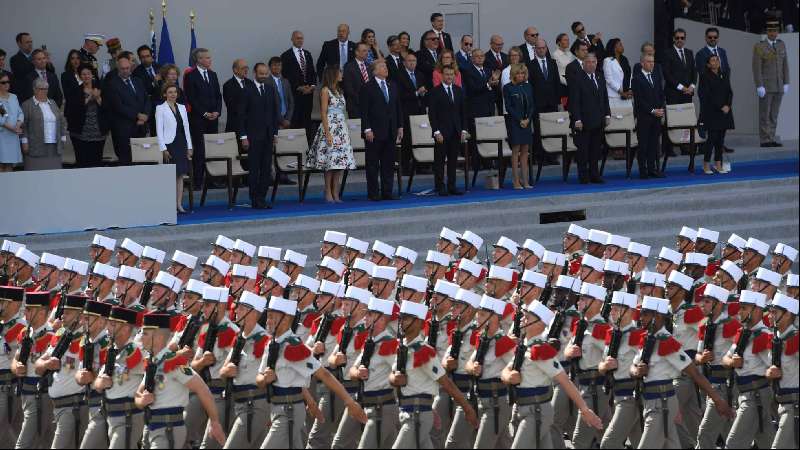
{"x":58,"y":352}
{"x":613,"y":351}
{"x":147,"y":289}
{"x":433,"y":329}
{"x":59,"y":313}
{"x":649,"y":343}
{"x":111,"y":360}
{"x":211,"y":341}
{"x":519,"y":358}
{"x":366,"y":359}
{"x":480,"y":356}
{"x":708,"y":338}
{"x":24,"y":355}
{"x":88,"y":362}
{"x":777,"y":350}
{"x":516,"y":329}
{"x":149,"y":384}
{"x":324,"y":330}
{"x":235,"y":359}
{"x":402,"y":355}
{"x":347,"y":336}
{"x":273,"y":351}
{"x":580,"y":332}
{"x":191,"y":330}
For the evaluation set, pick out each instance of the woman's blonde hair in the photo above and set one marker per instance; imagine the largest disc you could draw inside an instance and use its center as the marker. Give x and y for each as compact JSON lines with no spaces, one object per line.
{"x":518,"y":68}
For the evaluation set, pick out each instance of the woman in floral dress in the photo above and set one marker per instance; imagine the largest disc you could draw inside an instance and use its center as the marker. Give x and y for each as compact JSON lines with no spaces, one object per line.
{"x":331,"y":151}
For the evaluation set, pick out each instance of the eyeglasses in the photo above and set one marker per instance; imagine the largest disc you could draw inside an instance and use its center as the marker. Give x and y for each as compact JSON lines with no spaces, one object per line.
{"x":467,"y":44}
{"x":680,"y":38}
{"x":712,"y":38}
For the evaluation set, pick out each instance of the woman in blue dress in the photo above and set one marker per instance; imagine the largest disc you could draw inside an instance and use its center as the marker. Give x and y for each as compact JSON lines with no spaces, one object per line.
{"x":11,"y":119}
{"x":518,"y":99}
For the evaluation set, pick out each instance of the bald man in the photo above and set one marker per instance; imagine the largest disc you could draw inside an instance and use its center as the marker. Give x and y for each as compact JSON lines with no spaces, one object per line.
{"x":298,"y":68}
{"x":232,"y":93}
{"x":336,"y":51}
{"x":496,"y":61}
{"x":528,"y":48}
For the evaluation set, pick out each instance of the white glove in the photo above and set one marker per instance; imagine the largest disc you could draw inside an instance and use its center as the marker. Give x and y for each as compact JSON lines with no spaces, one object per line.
{"x":785,"y":88}
{"x":761,"y":91}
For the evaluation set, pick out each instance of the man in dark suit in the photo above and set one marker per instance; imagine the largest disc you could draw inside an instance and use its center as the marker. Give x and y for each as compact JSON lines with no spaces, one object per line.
{"x":259,"y":115}
{"x":298,"y":68}
{"x":394,"y":60}
{"x":39,"y":58}
{"x":203,"y":94}
{"x":589,"y":113}
{"x":462,"y":55}
{"x":479,"y":84}
{"x":232,"y":92}
{"x":356,"y":75}
{"x":444,"y":41}
{"x":20,"y":63}
{"x":147,"y":71}
{"x":382,"y":126}
{"x":413,"y":98}
{"x":580,"y":49}
{"x":283,"y":89}
{"x":448,"y":119}
{"x":127,"y":102}
{"x":679,"y":71}
{"x":546,"y":83}
{"x":712,"y":48}
{"x":528,"y":49}
{"x":336,"y":51}
{"x":495,"y":62}
{"x":594,"y":41}
{"x":427,"y":56}
{"x":648,"y":102}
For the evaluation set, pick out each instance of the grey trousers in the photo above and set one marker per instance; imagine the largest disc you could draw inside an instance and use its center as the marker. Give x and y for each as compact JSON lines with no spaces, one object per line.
{"x":8,"y":434}
{"x":65,"y":432}
{"x":117,"y":431}
{"x":347,"y":433}
{"x":195,"y":418}
{"x":625,"y":424}
{"x":786,"y":437}
{"x":691,"y":411}
{"x":564,"y":415}
{"x":208,"y":441}
{"x":525,"y":418}
{"x":712,"y":425}
{"x":390,"y":425}
{"x":158,"y":439}
{"x":745,"y":427}
{"x":584,"y":434}
{"x":486,"y":436}
{"x":444,"y":406}
{"x":237,"y":437}
{"x":461,"y":434}
{"x":278,"y":435}
{"x":321,"y":434}
{"x":96,"y":435}
{"x":407,"y":437}
{"x":28,"y":435}
{"x":653,"y":435}
{"x":768,"y":109}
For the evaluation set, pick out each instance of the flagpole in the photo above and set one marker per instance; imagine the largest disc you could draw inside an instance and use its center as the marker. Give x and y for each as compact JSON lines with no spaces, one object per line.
{"x":192,"y":16}
{"x":164,"y":8}
{"x":152,"y":17}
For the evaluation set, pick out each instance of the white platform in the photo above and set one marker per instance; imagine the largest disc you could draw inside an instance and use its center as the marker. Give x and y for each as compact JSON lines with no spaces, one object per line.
{"x":53,"y":201}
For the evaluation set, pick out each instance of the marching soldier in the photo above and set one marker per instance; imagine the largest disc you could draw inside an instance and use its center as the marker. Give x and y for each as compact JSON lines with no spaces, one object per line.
{"x":101,"y":282}
{"x":165,"y":293}
{"x":668,"y":260}
{"x":119,"y":378}
{"x":771,"y":77}
{"x":559,"y":335}
{"x":616,"y":247}
{"x":436,"y":266}
{"x":596,"y":243}
{"x":591,"y":270}
{"x":128,"y":288}
{"x":684,"y":241}
{"x":438,"y":328}
{"x":333,"y":244}
{"x":286,"y":369}
{"x":242,"y":278}
{"x":242,"y":252}
{"x":49,"y":273}
{"x":101,"y":249}
{"x":12,"y":324}
{"x":359,"y":274}
{"x":651,"y":284}
{"x":72,"y":278}
{"x":625,"y":422}
{"x":384,"y":279}
{"x":93,"y":349}
{"x":412,"y":288}
{"x":182,"y":265}
{"x":191,"y":309}
{"x":382,"y":253}
{"x":530,"y":254}
{"x":214,"y":270}
{"x":330,"y":269}
{"x":171,"y":381}
{"x":783,"y":256}
{"x":37,"y":421}
{"x":417,"y":374}
{"x":128,"y":253}
{"x":274,"y":283}
{"x":268,"y":257}
{"x":404,"y":259}
{"x":293,"y":264}
{"x":533,"y":284}
{"x":251,"y":409}
{"x":753,"y":256}
{"x":150,"y":262}
{"x":733,"y":248}
{"x":711,"y":348}
{"x":447,"y":242}
{"x":504,"y":252}
{"x":636,"y":257}
{"x":7,"y":251}
{"x":221,"y":248}
{"x":572,"y":245}
{"x":793,"y":286}
{"x":533,"y":381}
{"x":784,"y":375}
{"x":22,"y":266}
{"x":354,"y":249}
{"x":304,"y":292}
{"x":749,"y":357}
{"x":469,"y":244}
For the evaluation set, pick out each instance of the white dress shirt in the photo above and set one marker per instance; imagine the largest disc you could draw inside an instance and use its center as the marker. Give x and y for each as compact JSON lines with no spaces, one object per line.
{"x":531,"y":51}
{"x":563,"y":58}
{"x":297,"y":52}
{"x":240,"y":81}
{"x":612,"y":71}
{"x":680,"y":51}
{"x":50,"y":121}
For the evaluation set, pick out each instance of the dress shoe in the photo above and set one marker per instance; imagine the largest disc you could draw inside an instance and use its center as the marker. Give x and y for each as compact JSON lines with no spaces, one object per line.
{"x":728,"y":150}
{"x":454,"y":191}
{"x":442,"y":192}
{"x":597,"y":180}
{"x":657,"y":174}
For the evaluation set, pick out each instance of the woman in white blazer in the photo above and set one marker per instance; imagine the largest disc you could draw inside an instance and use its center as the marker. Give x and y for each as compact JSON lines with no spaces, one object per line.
{"x":174,"y":139}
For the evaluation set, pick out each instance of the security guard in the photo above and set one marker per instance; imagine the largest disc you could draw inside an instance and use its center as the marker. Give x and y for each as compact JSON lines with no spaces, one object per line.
{"x":12,"y":325}
{"x":173,"y":379}
{"x":785,"y":377}
{"x":125,"y":421}
{"x":95,"y":340}
{"x":533,"y":383}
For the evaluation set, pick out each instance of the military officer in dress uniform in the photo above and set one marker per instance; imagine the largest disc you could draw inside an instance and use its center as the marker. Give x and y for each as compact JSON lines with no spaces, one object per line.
{"x":771,"y":77}
{"x":462,"y":345}
{"x":91,"y":43}
{"x":172,"y":381}
{"x":94,"y":350}
{"x":785,"y":378}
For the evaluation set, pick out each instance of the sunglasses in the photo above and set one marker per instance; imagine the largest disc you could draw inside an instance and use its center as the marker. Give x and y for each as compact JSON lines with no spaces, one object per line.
{"x":467,"y":44}
{"x":680,"y":38}
{"x":714,"y":38}
{"x":580,"y":31}
{"x":5,"y":82}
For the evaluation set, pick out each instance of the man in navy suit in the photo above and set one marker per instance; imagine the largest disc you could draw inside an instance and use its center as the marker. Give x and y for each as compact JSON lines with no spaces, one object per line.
{"x":394,"y":60}
{"x":589,"y":113}
{"x":679,"y":71}
{"x":648,"y":102}
{"x":127,"y":101}
{"x":462,"y":55}
{"x":479,"y":83}
{"x":39,"y":59}
{"x":428,"y":56}
{"x":259,"y":114}
{"x":147,"y":71}
{"x":336,"y":51}
{"x":448,"y":119}
{"x":298,"y":68}
{"x":495,"y":62}
{"x":546,"y":83}
{"x":382,"y":126}
{"x":203,"y":94}
{"x":443,"y":39}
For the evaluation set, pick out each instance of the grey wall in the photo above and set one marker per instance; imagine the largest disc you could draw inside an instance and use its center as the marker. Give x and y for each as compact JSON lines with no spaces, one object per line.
{"x":258,"y":29}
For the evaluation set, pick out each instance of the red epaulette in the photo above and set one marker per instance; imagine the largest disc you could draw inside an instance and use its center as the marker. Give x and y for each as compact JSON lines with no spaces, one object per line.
{"x":509,"y":309}
{"x":15,"y":332}
{"x":41,"y":344}
{"x":103,"y":356}
{"x":503,"y":345}
{"x":226,"y":338}
{"x":701,"y":332}
{"x":395,"y":312}
{"x":636,"y":337}
{"x":731,"y":328}
{"x":227,"y":279}
{"x":712,"y":267}
{"x":336,"y":326}
{"x":766,"y":320}
{"x":698,"y":292}
{"x":575,"y":265}
{"x":599,"y":331}
{"x":636,"y":313}
{"x":310,"y":319}
{"x":260,"y":345}
{"x":668,"y":346}
{"x":296,"y":352}
{"x":360,"y":340}
{"x":543,"y":352}
{"x":174,"y":363}
{"x":451,"y":326}
{"x":180,"y":323}
{"x":475,"y":338}
{"x":483,"y":274}
{"x":762,"y":342}
{"x":573,"y":326}
{"x":54,"y":301}
{"x":693,"y":315}
{"x":790,"y":348}
{"x":423,"y":355}
{"x":134,"y":359}
{"x":733,"y":309}
{"x":450,"y":274}
{"x":75,"y":346}
{"x":514,"y":279}
{"x":388,"y":347}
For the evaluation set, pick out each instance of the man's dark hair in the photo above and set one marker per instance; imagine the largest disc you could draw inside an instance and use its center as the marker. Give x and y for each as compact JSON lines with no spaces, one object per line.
{"x":678,"y":30}
{"x":575,"y":25}
{"x":391,"y":39}
{"x":428,"y":34}
{"x":36,"y":52}
{"x":359,"y":44}
{"x":143,"y":48}
{"x":125,"y":54}
{"x":435,"y":16}
{"x":21,"y":35}
{"x":576,"y":45}
{"x":2,"y":52}
{"x":712,"y":30}
{"x":257,"y":65}
{"x":274,"y":60}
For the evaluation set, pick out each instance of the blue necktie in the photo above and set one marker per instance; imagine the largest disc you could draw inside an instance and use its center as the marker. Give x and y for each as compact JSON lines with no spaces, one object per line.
{"x":130,"y":85}
{"x":279,"y":85}
{"x":413,"y":79}
{"x":385,"y":91}
{"x":342,"y":54}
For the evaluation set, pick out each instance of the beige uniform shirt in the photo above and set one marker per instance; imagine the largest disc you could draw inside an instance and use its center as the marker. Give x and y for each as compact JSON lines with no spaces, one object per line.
{"x":540,"y":365}
{"x":789,"y":362}
{"x":171,"y":377}
{"x":627,"y":352}
{"x":754,"y":363}
{"x":423,"y":370}
{"x":128,"y":372}
{"x":64,"y":383}
{"x":499,"y":355}
{"x":466,"y":350}
{"x":250,"y":359}
{"x":686,"y":326}
{"x":42,"y":337}
{"x":295,"y":365}
{"x":663,"y":365}
{"x":594,"y":343}
{"x":226,"y":337}
{"x":9,"y":339}
{"x":380,"y":365}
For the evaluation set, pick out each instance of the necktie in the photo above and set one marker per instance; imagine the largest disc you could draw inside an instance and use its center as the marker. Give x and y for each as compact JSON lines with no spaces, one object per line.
{"x":342,"y":54}
{"x":714,"y":51}
{"x":650,"y":79}
{"x":544,"y":68}
{"x":683,"y":60}
{"x":483,"y":75}
{"x":594,"y":81}
{"x":205,"y":76}
{"x":433,"y":52}
{"x":279,"y":86}
{"x":450,"y":94}
{"x":261,"y":90}
{"x":42,"y":74}
{"x":441,"y":40}
{"x":499,"y":60}
{"x":152,"y":72}
{"x":413,"y":79}
{"x":385,"y":91}
{"x":302,"y":63}
{"x":130,"y":85}
{"x":364,"y":75}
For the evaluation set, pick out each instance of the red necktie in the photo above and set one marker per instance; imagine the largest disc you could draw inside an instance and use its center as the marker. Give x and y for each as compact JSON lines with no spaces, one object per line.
{"x":364,"y":75}
{"x":441,"y":40}
{"x":499,"y":60}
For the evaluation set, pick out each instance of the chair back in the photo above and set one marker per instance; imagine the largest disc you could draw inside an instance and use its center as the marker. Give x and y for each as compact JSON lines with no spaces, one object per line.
{"x":554,"y":125}
{"x":421,"y":133}
{"x":291,"y":143}
{"x":222,"y":145}
{"x":357,"y":142}
{"x":682,"y":115}
{"x":490,"y":128}
{"x":622,"y":119}
{"x":145,"y":151}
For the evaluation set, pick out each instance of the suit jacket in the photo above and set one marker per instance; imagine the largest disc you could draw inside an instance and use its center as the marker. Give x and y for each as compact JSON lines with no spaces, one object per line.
{"x":462,"y":61}
{"x":446,"y":117}
{"x":149,"y":81}
{"x":646,"y":98}
{"x":292,"y":71}
{"x":587,"y":102}
{"x":123,"y":104}
{"x":376,"y":114}
{"x":425,"y":64}
{"x":232,"y":94}
{"x":545,"y":90}
{"x":167,"y":126}
{"x":701,"y":58}
{"x":412,"y":104}
{"x":33,"y":128}
{"x":330,"y":54}
{"x":258,"y":114}
{"x":53,"y":92}
{"x":448,"y":41}
{"x":75,"y":111}
{"x":351,"y":85}
{"x":203,"y":97}
{"x":491,"y":62}
{"x":715,"y":92}
{"x":598,"y":49}
{"x":394,"y":66}
{"x":21,"y":66}
{"x":523,"y":49}
{"x":770,"y":66}
{"x":677,"y":73}
{"x":287,"y":96}
{"x":480,"y":97}
{"x":68,"y":83}
{"x":572,"y":69}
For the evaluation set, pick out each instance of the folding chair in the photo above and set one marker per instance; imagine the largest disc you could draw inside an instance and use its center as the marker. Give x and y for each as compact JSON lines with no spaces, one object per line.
{"x":289,"y":158}
{"x":491,"y":139}
{"x":681,"y":129}
{"x":422,"y":149}
{"x":145,"y":151}
{"x":556,"y":137}
{"x":620,"y":134}
{"x":223,"y":161}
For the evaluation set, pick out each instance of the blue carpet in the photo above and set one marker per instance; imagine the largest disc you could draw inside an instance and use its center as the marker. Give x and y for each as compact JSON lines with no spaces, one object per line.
{"x":287,"y":205}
